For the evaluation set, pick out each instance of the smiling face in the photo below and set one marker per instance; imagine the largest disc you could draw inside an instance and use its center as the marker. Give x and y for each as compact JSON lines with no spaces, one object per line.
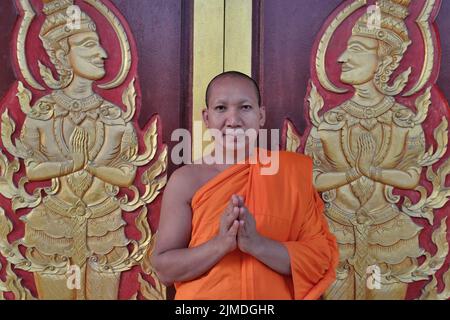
{"x":86,"y":56}
{"x":233,"y":110}
{"x":359,"y":61}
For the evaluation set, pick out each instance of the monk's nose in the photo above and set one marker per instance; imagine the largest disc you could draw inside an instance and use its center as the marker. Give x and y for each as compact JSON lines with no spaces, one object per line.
{"x":233,"y":119}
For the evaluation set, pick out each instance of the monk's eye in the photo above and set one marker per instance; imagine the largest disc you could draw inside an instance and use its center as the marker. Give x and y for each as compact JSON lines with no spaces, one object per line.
{"x":220,"y":108}
{"x":247,"y":107}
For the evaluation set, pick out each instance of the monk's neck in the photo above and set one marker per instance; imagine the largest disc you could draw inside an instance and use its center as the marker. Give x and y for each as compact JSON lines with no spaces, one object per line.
{"x":227,"y":158}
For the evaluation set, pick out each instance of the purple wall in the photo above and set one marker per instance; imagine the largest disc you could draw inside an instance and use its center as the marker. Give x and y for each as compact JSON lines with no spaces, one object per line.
{"x":443,"y":23}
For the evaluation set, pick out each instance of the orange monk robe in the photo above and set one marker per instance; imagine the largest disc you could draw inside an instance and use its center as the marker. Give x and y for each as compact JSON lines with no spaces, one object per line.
{"x":287,"y":209}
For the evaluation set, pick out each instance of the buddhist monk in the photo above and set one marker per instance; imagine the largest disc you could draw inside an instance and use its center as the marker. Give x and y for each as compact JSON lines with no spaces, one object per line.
{"x":227,"y":231}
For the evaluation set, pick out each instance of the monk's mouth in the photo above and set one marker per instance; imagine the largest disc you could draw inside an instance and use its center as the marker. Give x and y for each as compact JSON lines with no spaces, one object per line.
{"x":235,"y":138}
{"x":234,"y":132}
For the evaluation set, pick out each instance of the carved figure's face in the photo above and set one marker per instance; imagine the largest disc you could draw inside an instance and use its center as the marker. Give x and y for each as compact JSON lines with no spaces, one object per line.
{"x":359,"y":61}
{"x":86,"y":56}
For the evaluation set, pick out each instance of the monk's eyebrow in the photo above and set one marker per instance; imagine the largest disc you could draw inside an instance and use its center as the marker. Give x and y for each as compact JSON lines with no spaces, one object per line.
{"x":85,"y":40}
{"x":361,"y":44}
{"x":219,"y":102}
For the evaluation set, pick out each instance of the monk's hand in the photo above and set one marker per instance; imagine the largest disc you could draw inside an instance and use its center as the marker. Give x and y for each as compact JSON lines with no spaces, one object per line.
{"x":229,"y":226}
{"x":248,"y":237}
{"x":367,"y":149}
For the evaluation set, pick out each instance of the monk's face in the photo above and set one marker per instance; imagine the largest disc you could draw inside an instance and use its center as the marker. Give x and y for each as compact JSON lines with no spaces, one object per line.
{"x":234,"y":111}
{"x":86,"y":56}
{"x":359,"y":61}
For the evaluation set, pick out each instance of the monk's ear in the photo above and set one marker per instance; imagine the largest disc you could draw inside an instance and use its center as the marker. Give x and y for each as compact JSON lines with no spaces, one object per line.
{"x":205,"y":116}
{"x":262,"y":112}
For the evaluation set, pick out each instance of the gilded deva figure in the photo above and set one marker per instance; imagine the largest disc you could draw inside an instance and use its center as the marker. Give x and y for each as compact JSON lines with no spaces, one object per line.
{"x":362,"y":148}
{"x":81,"y":139}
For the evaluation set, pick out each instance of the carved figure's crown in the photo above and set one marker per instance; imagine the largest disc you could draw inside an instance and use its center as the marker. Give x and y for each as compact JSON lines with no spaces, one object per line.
{"x":59,"y":24}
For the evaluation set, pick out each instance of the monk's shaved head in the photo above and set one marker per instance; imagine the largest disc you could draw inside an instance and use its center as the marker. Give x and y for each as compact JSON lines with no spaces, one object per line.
{"x":236,"y":75}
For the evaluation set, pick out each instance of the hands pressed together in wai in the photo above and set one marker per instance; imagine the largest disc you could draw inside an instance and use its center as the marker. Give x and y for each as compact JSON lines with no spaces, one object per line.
{"x":238,"y":228}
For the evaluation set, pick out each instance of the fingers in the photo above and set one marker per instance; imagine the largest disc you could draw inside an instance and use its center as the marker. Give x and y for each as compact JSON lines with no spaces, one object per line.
{"x":229,"y":217}
{"x":370,"y":139}
{"x":86,"y":139}
{"x":235,"y":200}
{"x":228,"y":210}
{"x":73,"y":136}
{"x":241,"y":201}
{"x":86,"y":146}
{"x":232,"y":232}
{"x":371,"y":144}
{"x":358,"y":153}
{"x":80,"y":142}
{"x":84,"y":143}
{"x":234,"y":212}
{"x":242,"y":231}
{"x":77,"y":141}
{"x":242,"y":213}
{"x":360,"y":145}
{"x":367,"y":141}
{"x":86,"y":154}
{"x":363,"y":145}
{"x":242,"y":220}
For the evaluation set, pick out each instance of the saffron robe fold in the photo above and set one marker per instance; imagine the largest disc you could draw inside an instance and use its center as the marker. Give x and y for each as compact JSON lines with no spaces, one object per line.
{"x":287,"y":209}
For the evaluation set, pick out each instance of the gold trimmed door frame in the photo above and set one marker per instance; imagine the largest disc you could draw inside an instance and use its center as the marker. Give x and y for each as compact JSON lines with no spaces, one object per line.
{"x":222,"y":41}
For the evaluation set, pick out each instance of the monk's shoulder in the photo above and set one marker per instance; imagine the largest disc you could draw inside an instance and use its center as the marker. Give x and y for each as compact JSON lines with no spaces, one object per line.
{"x":185,"y":181}
{"x":184,"y":175}
{"x":181,"y":181}
{"x":296,"y":160}
{"x":296,"y":165}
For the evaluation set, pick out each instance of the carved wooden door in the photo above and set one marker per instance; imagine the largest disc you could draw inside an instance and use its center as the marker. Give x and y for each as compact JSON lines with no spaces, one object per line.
{"x":356,"y":81}
{"x":109,"y":81}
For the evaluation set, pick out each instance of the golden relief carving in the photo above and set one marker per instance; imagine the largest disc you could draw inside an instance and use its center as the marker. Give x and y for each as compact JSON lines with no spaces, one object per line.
{"x":14,"y":285}
{"x":27,"y":17}
{"x":423,"y":21}
{"x":123,"y":43}
{"x":324,"y":42}
{"x":293,"y":141}
{"x":371,"y":144}
{"x":88,"y":148}
{"x":430,"y":290}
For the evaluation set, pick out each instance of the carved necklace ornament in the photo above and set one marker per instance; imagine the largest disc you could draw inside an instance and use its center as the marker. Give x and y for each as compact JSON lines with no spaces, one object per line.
{"x":77,"y":106}
{"x":369,"y":158}
{"x":88,"y":149}
{"x":368,"y":112}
